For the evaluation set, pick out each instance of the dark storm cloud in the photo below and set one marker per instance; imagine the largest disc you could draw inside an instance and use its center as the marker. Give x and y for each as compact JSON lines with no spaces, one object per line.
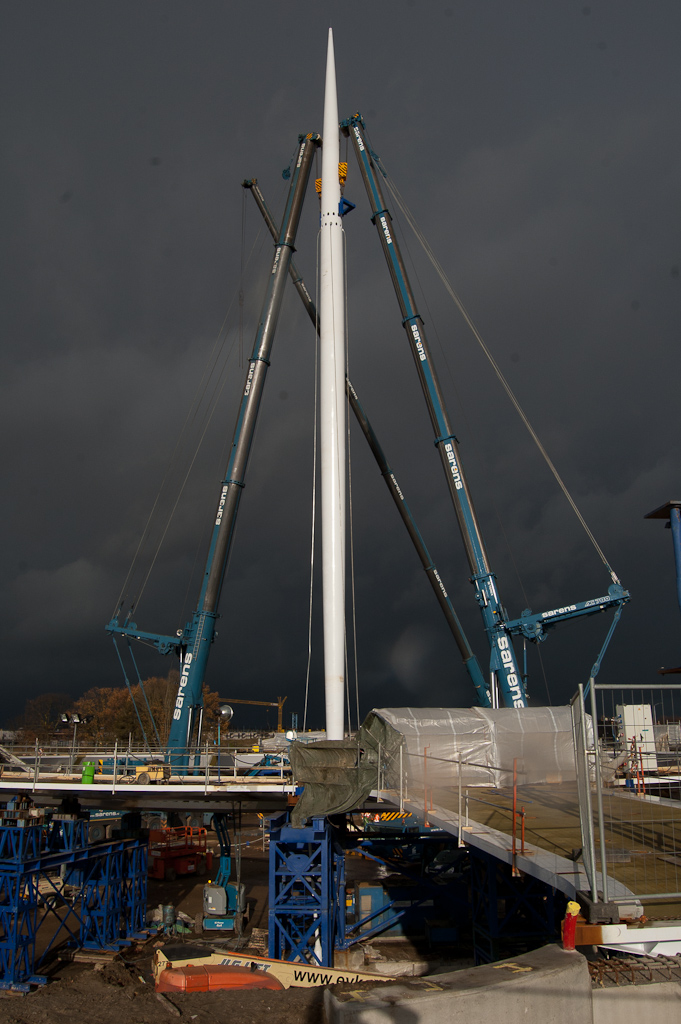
{"x":536,"y":146}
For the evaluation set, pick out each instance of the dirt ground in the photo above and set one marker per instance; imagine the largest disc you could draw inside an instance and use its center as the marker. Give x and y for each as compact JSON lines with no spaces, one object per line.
{"x":80,"y":994}
{"x":121,"y":991}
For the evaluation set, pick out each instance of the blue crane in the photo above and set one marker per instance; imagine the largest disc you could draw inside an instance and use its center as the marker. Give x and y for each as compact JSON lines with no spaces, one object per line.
{"x":193,"y":643}
{"x":498,"y":628}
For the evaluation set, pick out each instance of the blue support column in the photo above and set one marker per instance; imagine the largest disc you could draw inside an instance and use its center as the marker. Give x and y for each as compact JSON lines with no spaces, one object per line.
{"x":511,"y":914}
{"x":107,"y":909}
{"x":135,"y":891}
{"x":303,"y":900}
{"x":101,"y":921}
{"x":18,"y":926}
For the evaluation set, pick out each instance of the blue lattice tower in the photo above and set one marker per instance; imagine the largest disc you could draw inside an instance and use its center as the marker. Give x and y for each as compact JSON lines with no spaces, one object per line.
{"x":108,"y":903}
{"x":100,"y":926}
{"x":28,"y":845}
{"x":303,"y":893}
{"x":115,"y":897}
{"x":134,"y":894}
{"x":18,"y":926}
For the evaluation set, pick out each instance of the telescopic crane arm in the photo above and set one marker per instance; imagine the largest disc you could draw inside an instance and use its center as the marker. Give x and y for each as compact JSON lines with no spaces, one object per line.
{"x":469,"y":659}
{"x":503,"y":663}
{"x":193,"y":643}
{"x":499,"y":628}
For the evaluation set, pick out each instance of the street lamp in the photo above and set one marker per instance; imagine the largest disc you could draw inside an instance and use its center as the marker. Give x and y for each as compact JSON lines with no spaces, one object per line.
{"x":75,"y":721}
{"x":226,"y":712}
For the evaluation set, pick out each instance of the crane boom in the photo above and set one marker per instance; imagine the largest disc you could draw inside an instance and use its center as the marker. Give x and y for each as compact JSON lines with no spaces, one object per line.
{"x":469,"y":659}
{"x":503,"y":663}
{"x":193,"y":643}
{"x":499,"y":628}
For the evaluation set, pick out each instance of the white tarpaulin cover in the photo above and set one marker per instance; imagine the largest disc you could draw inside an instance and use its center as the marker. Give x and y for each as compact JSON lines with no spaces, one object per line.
{"x":487,"y":741}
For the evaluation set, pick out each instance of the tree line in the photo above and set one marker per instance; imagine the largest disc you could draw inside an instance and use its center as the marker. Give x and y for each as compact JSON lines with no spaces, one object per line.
{"x":110,"y":713}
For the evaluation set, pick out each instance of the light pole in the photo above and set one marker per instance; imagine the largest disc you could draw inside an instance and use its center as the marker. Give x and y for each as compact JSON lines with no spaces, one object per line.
{"x":225,"y":712}
{"x":75,"y":720}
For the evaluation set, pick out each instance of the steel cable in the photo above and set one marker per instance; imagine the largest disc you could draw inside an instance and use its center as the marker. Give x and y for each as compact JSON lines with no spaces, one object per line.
{"x":394,"y":191}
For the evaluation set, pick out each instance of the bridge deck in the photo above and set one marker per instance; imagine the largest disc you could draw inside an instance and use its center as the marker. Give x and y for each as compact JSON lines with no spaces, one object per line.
{"x":642,"y":837}
{"x":204,"y":792}
{"x":642,"y":856}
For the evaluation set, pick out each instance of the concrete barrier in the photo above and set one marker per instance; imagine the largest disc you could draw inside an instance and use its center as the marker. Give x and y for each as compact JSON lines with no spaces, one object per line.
{"x":549,"y":985}
{"x":638,"y":1004}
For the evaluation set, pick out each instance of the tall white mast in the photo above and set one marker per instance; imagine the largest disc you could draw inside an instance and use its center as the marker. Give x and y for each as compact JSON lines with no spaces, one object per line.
{"x":332,"y":411}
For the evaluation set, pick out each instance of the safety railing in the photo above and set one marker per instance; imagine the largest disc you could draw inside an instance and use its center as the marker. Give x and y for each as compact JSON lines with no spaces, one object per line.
{"x":208,"y":764}
{"x":456,"y":782}
{"x":628,"y":761}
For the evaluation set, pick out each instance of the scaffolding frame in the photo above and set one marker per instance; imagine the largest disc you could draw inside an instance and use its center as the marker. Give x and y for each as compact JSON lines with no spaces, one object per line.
{"x":48,"y":872}
{"x":511,"y":914}
{"x":305,"y":879}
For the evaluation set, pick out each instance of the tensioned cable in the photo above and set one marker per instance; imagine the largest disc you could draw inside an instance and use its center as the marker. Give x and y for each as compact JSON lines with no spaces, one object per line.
{"x":350,"y":505}
{"x":169,"y":470}
{"x":180,"y":492}
{"x":190,"y":579}
{"x":243,"y":266}
{"x":432,"y":320}
{"x":209,"y":372}
{"x":497,"y":369}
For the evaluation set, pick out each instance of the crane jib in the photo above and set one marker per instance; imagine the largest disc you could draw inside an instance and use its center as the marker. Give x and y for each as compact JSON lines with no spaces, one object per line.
{"x":502,"y":657}
{"x":201,"y":634}
{"x":193,"y":643}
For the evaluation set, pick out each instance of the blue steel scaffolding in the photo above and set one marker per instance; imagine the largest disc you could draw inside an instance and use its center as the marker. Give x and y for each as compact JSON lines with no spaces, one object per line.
{"x":304,"y":892}
{"x":511,"y":914}
{"x":307,"y":892}
{"x":94,"y":897}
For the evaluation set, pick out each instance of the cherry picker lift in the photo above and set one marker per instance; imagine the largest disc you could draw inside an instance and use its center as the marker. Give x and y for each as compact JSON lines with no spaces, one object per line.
{"x":224,"y":902}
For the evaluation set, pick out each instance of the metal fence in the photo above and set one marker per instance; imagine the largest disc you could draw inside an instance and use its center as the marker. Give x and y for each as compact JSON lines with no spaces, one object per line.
{"x":628,"y":761}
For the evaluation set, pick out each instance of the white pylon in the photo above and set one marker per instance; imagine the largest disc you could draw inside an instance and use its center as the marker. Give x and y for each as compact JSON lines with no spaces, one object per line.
{"x":332,"y":411}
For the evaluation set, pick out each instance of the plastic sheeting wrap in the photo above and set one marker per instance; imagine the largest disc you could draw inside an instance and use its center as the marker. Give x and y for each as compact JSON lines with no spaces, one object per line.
{"x":393,"y":745}
{"x":486,"y":740}
{"x":338,"y":775}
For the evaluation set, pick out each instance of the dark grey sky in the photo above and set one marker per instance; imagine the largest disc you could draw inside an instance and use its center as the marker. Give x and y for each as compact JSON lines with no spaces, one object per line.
{"x":536,"y":143}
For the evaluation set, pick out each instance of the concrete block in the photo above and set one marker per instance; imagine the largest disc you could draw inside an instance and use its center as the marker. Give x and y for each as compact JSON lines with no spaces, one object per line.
{"x":547,"y":986}
{"x":399,"y":968}
{"x":349,"y":959}
{"x":637,"y":1004}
